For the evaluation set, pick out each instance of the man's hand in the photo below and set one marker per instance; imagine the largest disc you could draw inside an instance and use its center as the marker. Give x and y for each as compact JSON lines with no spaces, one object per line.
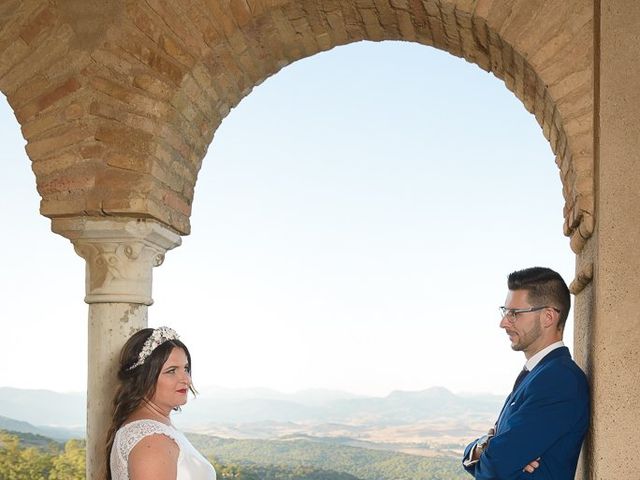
{"x":531,"y":467}
{"x":475,"y":454}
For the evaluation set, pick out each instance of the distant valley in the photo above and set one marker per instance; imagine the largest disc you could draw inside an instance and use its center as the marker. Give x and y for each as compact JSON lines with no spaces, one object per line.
{"x":311,"y":435}
{"x":432,"y":422}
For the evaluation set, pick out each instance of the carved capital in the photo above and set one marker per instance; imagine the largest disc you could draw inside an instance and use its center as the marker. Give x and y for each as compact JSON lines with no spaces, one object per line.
{"x":120,"y":254}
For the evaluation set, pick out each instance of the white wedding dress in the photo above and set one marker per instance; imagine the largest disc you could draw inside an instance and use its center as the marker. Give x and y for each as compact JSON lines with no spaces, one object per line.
{"x":191,"y":464}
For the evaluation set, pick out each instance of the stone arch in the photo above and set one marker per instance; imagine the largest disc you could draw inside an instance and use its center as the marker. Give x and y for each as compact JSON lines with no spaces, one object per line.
{"x":119,"y":101}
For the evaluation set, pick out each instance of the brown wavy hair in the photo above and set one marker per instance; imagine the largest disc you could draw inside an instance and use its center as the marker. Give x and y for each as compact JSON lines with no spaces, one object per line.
{"x":139,"y":383}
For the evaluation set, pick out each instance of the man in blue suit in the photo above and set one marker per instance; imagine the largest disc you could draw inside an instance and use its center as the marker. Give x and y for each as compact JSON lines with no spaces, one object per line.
{"x":544,"y":419}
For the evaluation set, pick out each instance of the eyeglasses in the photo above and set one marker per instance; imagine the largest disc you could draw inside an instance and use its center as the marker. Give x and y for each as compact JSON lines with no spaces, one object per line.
{"x":511,"y":314}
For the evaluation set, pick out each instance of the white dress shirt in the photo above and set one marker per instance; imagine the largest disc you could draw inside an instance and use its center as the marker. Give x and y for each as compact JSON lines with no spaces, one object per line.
{"x":535,"y":360}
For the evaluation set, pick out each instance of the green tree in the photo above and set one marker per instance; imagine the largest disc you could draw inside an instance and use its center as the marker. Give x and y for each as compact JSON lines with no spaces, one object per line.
{"x":17,"y":463}
{"x":70,"y":464}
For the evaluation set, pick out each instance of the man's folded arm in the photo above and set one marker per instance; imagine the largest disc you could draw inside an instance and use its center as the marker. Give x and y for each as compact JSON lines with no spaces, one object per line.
{"x":548,"y":412}
{"x":467,"y":462}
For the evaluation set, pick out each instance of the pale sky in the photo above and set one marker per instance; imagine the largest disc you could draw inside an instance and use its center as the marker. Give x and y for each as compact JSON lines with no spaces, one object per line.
{"x":353,"y":225}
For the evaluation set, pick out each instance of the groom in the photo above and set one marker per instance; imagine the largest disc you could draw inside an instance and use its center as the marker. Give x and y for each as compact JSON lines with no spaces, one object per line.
{"x":540,"y":429}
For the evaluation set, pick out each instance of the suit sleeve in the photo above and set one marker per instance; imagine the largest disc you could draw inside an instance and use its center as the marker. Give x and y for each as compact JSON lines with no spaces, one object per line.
{"x":465,"y":456}
{"x":547,"y":412}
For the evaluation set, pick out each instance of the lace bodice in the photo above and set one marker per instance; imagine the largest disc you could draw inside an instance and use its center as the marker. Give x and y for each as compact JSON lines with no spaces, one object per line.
{"x":191,"y":464}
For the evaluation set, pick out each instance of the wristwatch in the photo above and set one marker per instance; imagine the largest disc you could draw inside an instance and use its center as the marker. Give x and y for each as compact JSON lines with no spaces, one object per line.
{"x":483,"y":442}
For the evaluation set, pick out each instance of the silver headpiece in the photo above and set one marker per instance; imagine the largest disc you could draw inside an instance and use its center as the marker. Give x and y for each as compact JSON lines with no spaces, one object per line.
{"x":157,"y":338}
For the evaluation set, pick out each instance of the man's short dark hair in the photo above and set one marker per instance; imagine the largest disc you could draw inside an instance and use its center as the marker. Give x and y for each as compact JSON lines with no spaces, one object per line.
{"x":544,"y":287}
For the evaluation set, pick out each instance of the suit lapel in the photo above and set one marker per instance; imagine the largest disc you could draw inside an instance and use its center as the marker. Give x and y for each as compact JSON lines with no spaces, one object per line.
{"x":557,"y":353}
{"x":506,"y":402}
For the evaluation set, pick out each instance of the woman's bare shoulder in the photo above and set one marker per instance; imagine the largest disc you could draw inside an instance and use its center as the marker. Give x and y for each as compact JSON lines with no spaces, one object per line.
{"x":154,"y":457}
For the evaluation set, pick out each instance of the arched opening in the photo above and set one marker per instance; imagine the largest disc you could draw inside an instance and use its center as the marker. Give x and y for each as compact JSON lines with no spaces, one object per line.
{"x":141,"y":110}
{"x":315,"y":178}
{"x":373,"y":292}
{"x":431,"y":162}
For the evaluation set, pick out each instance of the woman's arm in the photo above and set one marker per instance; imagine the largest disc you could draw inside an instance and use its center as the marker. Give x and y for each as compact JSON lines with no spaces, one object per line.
{"x":155,"y":457}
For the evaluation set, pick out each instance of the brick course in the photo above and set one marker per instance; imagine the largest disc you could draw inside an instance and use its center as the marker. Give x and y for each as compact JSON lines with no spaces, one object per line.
{"x":136,"y":102}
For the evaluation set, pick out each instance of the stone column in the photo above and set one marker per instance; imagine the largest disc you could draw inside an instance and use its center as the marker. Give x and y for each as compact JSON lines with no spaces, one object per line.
{"x":616,"y":320}
{"x":119,"y":254}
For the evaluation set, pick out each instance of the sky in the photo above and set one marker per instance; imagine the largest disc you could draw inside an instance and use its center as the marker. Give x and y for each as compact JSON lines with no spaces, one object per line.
{"x":353,"y":225}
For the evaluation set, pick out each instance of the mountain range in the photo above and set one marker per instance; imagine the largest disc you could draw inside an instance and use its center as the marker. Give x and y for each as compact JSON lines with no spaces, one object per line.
{"x":429,"y":422}
{"x":59,"y":434}
{"x":226,"y":406}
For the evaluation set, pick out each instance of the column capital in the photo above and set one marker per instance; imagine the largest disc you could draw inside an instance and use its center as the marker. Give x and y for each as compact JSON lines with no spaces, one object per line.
{"x":120,"y":254}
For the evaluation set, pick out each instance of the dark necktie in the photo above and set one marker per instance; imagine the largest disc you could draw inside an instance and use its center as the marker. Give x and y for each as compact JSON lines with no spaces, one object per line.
{"x":523,"y":373}
{"x":521,"y":376}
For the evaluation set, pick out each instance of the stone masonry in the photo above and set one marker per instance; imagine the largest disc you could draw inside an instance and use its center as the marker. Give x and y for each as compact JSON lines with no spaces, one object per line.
{"x":119,"y":100}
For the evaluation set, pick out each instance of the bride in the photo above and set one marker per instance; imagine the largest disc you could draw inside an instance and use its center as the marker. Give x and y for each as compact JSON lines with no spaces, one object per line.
{"x":155,"y":378}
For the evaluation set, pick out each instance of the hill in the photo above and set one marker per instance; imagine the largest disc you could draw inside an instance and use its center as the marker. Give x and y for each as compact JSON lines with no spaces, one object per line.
{"x":44,"y":407}
{"x":41,"y":442}
{"x":361,"y":463}
{"x":430,"y":422}
{"x":295,"y":459}
{"x":60,"y":434}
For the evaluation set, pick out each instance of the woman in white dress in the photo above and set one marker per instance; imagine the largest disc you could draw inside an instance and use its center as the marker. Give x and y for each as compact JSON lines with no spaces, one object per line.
{"x":155,"y":379}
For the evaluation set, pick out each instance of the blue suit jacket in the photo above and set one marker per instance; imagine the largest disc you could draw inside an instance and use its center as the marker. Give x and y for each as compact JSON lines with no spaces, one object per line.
{"x":547,"y":416}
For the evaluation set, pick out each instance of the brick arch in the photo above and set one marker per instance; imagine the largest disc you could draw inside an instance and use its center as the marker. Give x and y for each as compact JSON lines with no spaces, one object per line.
{"x":119,"y":118}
